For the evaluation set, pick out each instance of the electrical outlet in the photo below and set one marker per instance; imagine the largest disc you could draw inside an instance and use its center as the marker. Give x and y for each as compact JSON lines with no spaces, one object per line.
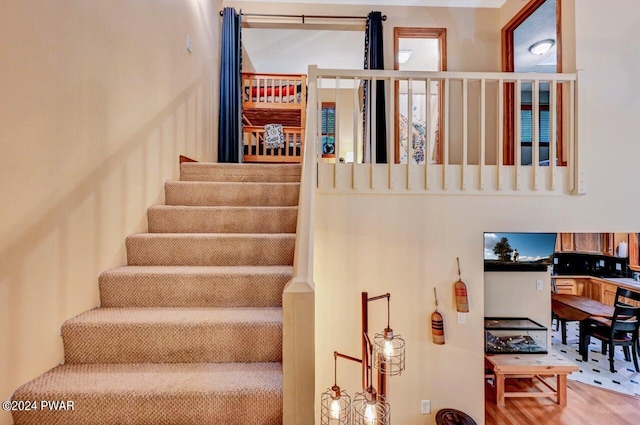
{"x":425,"y":407}
{"x":539,"y":285}
{"x":618,"y":266}
{"x":462,"y":318}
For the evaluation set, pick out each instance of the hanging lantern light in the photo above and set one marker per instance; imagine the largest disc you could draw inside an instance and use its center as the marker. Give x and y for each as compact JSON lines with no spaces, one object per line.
{"x":389,"y":358}
{"x":335,"y":404}
{"x":370,"y":408}
{"x":335,"y":407}
{"x":389,"y":348}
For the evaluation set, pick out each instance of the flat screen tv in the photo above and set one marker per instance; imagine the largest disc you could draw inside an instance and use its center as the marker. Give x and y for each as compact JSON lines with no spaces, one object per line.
{"x":518,"y":251}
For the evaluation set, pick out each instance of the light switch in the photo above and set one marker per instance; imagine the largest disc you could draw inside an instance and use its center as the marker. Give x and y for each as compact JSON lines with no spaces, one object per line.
{"x":462,"y":318}
{"x":189,"y":44}
{"x":539,"y":285}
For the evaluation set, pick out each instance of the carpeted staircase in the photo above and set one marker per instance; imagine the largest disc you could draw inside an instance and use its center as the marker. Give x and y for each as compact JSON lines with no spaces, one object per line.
{"x":190,"y":331}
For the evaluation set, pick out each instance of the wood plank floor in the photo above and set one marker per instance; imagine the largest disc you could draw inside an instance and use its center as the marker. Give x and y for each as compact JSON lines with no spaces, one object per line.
{"x":586,"y":405}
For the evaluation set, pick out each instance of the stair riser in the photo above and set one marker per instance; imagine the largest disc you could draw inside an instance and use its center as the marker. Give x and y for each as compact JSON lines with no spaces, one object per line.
{"x":231,"y":194}
{"x":239,"y":172}
{"x":221,"y":220}
{"x":186,"y":409}
{"x":172,"y":343}
{"x":176,"y":250}
{"x":138,"y":290}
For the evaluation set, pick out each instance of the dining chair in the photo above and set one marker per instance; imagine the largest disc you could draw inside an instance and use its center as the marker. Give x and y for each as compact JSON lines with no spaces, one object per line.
{"x":562,"y":323}
{"x":629,"y":295}
{"x":620,"y":330}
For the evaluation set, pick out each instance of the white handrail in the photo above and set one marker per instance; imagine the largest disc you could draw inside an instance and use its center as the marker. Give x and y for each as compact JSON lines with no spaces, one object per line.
{"x":303,"y":256}
{"x":507,"y":77}
{"x":464,"y":139}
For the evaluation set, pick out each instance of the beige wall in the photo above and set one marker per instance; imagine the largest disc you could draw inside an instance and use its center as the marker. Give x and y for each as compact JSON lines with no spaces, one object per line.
{"x":516,"y":294}
{"x":98,"y":100}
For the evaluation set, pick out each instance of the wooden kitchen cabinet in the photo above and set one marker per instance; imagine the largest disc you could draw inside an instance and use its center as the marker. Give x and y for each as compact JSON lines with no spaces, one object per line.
{"x":571,"y":286}
{"x":565,"y":286}
{"x":595,"y":290}
{"x":609,"y":293}
{"x":590,"y":243}
{"x":609,"y":244}
{"x":634,"y":255}
{"x":564,"y":242}
{"x":587,"y":242}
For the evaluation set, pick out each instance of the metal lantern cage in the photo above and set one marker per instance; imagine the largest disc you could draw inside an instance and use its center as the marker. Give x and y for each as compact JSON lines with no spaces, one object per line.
{"x":370,"y":408}
{"x":386,"y":354}
{"x":335,"y":407}
{"x":389,"y":353}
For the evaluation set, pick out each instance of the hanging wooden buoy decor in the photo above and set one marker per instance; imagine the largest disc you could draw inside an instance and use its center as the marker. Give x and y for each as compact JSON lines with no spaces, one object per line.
{"x":437,"y":324}
{"x":462,"y":302}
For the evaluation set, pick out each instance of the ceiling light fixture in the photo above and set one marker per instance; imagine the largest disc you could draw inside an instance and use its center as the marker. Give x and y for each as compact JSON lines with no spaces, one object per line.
{"x":541,"y":47}
{"x":404,"y":55}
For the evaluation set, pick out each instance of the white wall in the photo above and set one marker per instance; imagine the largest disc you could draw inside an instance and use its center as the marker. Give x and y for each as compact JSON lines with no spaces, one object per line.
{"x":98,"y":100}
{"x":516,"y":294}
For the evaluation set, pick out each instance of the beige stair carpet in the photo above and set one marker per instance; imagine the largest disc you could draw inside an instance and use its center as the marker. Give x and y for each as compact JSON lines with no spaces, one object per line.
{"x":190,"y":330}
{"x":158,"y":394}
{"x":193,"y":286}
{"x":210,"y":249}
{"x":231,"y":193}
{"x":174,"y":335}
{"x":199,"y":219}
{"x":198,"y":171}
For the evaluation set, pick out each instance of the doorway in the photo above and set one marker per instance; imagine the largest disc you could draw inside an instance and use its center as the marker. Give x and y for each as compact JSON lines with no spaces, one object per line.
{"x":418,"y":106}
{"x":532,"y":42}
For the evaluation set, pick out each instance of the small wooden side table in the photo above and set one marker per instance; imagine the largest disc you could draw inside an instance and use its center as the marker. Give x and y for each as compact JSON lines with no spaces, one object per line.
{"x":531,"y":365}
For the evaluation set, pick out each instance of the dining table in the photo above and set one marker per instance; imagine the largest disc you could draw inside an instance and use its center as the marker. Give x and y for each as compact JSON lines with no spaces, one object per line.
{"x":580,"y":309}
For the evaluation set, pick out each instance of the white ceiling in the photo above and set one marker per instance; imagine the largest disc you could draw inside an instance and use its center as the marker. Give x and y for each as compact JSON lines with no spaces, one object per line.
{"x":291,"y":50}
{"x":419,"y":3}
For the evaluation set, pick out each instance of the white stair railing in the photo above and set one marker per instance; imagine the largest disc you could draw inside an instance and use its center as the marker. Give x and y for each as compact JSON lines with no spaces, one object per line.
{"x":298,"y":299}
{"x":468,"y":133}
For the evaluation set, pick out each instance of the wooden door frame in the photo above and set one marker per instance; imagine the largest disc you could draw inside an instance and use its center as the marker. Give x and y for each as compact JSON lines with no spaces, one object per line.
{"x":439,"y":34}
{"x":508,"y":65}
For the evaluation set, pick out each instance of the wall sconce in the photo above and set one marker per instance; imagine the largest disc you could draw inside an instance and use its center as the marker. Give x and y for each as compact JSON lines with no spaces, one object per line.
{"x":386,"y":355}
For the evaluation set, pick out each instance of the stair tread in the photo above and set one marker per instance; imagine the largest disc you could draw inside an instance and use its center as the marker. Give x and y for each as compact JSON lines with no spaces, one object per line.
{"x":178,"y":316}
{"x":194,"y":286}
{"x":226,"y":207}
{"x":227,"y":193}
{"x":126,"y":379}
{"x":224,"y":183}
{"x":200,"y":171}
{"x":200,"y":270}
{"x":213,"y":235}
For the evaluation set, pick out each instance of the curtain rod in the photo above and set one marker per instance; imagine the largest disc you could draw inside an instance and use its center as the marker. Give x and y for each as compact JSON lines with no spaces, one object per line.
{"x":276,"y":15}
